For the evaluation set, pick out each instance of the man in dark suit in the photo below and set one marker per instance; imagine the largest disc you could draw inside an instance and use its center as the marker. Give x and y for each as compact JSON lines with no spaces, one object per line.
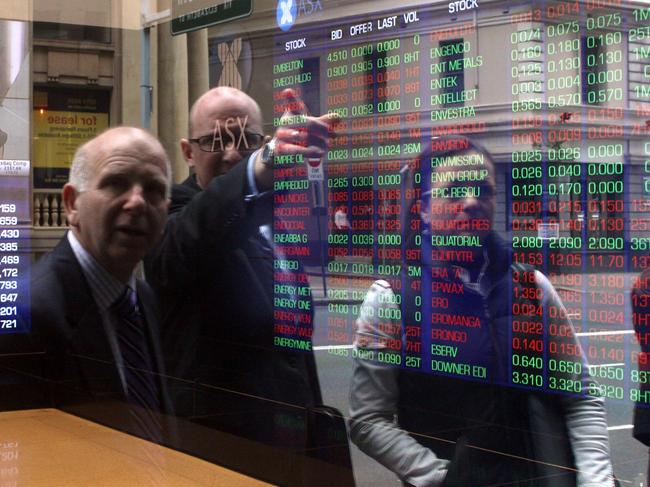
{"x":96,"y":322}
{"x":213,"y":273}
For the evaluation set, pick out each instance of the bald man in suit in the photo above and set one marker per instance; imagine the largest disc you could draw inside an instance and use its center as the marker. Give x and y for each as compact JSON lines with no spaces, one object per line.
{"x":96,"y":322}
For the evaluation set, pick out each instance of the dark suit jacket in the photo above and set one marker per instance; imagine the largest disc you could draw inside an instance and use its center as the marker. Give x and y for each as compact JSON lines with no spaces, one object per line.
{"x":79,"y":368}
{"x":215,"y":288}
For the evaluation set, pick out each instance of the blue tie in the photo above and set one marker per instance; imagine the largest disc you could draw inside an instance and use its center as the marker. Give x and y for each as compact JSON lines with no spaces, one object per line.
{"x":143,"y":391}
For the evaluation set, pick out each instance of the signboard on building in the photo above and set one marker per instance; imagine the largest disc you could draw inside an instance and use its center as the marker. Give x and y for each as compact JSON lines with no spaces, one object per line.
{"x":63,"y":120}
{"x":189,"y":15}
{"x":315,"y":169}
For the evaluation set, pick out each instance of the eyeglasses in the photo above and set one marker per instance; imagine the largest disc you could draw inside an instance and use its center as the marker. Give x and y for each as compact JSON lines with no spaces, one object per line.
{"x":219,"y":141}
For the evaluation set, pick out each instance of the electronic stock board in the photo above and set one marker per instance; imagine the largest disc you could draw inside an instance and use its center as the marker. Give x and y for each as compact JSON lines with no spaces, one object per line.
{"x":559,"y":93}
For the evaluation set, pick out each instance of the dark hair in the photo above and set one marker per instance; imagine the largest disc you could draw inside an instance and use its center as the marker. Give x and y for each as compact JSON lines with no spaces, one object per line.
{"x":445,"y":146}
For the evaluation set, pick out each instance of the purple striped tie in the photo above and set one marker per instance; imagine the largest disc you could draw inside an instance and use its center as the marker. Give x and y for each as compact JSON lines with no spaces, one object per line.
{"x":143,"y":391}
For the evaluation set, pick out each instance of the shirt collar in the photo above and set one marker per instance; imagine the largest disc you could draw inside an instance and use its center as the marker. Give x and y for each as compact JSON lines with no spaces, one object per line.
{"x":105,"y":287}
{"x":465,"y":274}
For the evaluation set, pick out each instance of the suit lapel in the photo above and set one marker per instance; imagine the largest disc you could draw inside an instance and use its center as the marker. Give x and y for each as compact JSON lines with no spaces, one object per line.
{"x":86,"y":334}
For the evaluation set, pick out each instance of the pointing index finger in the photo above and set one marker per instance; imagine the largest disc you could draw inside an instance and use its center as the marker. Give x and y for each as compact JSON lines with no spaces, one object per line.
{"x":294,"y":105}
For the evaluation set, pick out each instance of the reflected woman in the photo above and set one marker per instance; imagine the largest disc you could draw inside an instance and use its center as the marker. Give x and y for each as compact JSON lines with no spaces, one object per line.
{"x":462,"y":411}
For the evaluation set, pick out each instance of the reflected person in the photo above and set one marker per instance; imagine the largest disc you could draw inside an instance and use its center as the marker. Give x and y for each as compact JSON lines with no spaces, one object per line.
{"x":96,"y":321}
{"x":455,"y":427}
{"x":641,"y":321}
{"x":213,"y":270}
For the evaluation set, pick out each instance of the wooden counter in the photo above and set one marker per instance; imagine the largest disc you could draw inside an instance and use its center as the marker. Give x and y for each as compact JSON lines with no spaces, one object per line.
{"x":45,"y":447}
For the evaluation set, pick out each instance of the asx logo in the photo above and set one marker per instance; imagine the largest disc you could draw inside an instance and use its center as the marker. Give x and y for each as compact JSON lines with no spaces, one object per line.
{"x":288,"y":11}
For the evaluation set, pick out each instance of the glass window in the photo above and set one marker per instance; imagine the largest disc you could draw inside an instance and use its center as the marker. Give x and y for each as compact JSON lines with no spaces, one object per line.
{"x":407,"y":244}
{"x":71,"y":32}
